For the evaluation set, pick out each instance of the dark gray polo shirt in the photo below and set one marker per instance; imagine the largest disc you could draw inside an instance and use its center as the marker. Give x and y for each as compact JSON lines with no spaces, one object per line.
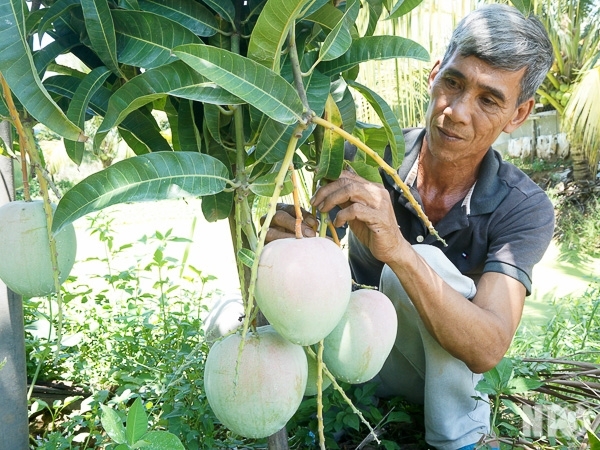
{"x":505,"y":226}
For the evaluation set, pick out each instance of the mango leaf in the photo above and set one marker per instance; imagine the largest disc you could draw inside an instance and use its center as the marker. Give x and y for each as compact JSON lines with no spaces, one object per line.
{"x":217,"y":207}
{"x":339,"y":39}
{"x":78,"y":107}
{"x":140,"y":124}
{"x":593,"y":439}
{"x":112,"y":424}
{"x":271,"y":31}
{"x":371,"y":48}
{"x":155,"y":176}
{"x":345,"y":102}
{"x":525,"y":6}
{"x":331,"y":159}
{"x":137,"y":422}
{"x":388,"y":119}
{"x":47,"y":55}
{"x":375,"y":10}
{"x":250,"y":81}
{"x":192,"y":15}
{"x":56,"y":10}
{"x":315,"y":6}
{"x":129,"y":4}
{"x":366,"y":171}
{"x":403,"y":7}
{"x":21,"y":76}
{"x":160,"y":440}
{"x":265,"y":185}
{"x":246,"y":257}
{"x":328,"y":16}
{"x":187,"y":131}
{"x":176,"y":79}
{"x":145,"y":39}
{"x":101,"y":32}
{"x":224,"y":8}
{"x":215,"y":121}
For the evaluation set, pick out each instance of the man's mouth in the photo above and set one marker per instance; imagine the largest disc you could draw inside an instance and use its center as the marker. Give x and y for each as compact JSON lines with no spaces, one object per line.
{"x":449,"y":133}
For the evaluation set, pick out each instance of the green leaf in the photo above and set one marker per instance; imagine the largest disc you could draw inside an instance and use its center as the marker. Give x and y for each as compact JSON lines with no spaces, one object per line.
{"x":217,"y":207}
{"x":155,"y":176}
{"x":139,"y":124}
{"x":192,"y":15}
{"x":345,"y":102}
{"x":187,"y":131}
{"x":137,"y":422}
{"x":593,"y":439}
{"x":21,"y":76}
{"x":113,"y":425}
{"x":366,"y":171}
{"x":375,"y":10}
{"x":146,"y":39}
{"x":403,"y":7}
{"x":518,"y":385}
{"x":224,"y":8}
{"x":101,"y":32}
{"x":161,"y":440}
{"x":176,"y":79}
{"x":388,"y":119}
{"x":328,"y":16}
{"x":271,"y":31}
{"x":525,"y":6}
{"x":48,"y":54}
{"x":55,"y":11}
{"x":246,"y":257}
{"x":129,"y":4}
{"x":331,"y":159}
{"x":79,"y":105}
{"x":372,"y":48}
{"x":339,"y":39}
{"x":265,"y":185}
{"x":250,"y":81}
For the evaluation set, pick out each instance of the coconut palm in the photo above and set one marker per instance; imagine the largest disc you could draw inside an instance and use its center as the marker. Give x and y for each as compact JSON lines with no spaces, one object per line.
{"x":572,"y":86}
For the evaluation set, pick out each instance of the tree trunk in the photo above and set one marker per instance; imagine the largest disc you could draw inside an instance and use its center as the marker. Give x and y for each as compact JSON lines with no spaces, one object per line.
{"x":581,"y":166}
{"x":14,"y":431}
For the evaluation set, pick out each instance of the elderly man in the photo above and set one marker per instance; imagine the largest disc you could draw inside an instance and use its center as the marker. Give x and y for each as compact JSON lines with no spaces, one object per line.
{"x":458,"y":305}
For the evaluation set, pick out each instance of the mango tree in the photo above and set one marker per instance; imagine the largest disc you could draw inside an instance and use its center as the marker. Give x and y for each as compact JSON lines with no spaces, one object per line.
{"x":254,"y":92}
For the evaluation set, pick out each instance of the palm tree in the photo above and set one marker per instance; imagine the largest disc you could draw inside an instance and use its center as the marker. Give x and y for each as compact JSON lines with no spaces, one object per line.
{"x":572,"y":86}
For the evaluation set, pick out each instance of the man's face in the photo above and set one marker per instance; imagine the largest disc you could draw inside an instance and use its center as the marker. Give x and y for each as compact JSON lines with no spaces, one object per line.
{"x":471,"y":103}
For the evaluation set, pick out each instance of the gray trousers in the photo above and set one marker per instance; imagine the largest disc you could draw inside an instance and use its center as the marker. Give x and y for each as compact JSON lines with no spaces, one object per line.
{"x":420,"y":370}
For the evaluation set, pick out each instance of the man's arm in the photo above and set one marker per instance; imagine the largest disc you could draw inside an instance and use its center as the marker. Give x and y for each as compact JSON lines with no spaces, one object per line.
{"x":477,"y":332}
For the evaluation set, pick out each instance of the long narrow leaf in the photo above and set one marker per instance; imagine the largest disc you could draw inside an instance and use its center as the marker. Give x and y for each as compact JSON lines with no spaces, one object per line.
{"x":272,"y":29}
{"x":331,"y":159}
{"x":403,"y":7}
{"x":339,"y":39}
{"x":246,"y":79}
{"x":56,"y":10}
{"x":19,"y":72}
{"x":371,"y":48}
{"x":155,"y":176}
{"x":192,"y":15}
{"x":78,"y":106}
{"x":224,"y":8}
{"x":176,"y":79}
{"x":145,"y":39}
{"x":388,"y":119}
{"x":140,"y":124}
{"x":101,"y":31}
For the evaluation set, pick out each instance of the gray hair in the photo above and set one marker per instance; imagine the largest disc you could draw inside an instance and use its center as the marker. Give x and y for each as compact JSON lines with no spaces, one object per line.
{"x":504,"y":38}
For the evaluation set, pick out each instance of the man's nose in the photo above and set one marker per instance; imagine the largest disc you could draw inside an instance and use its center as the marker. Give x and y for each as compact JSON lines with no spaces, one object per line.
{"x":459,"y":108}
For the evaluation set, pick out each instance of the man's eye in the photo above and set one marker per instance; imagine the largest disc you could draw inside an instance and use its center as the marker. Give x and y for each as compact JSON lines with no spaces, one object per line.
{"x":488,"y":101}
{"x":451,"y":83}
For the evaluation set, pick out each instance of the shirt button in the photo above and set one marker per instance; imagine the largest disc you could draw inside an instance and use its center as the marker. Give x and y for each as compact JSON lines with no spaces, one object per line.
{"x":420,"y":239}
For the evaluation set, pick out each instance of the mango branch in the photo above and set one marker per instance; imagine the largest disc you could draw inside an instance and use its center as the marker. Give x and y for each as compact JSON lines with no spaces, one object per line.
{"x":385,"y":166}
{"x":321,"y":425}
{"x":279,"y":181}
{"x":347,"y":399}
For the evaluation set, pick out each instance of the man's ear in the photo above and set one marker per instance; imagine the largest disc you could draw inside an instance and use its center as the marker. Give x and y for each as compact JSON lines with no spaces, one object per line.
{"x":433,"y":73}
{"x":519,"y":116}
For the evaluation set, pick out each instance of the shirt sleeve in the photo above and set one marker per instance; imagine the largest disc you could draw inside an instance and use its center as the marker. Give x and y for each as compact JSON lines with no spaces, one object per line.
{"x":519,"y":240}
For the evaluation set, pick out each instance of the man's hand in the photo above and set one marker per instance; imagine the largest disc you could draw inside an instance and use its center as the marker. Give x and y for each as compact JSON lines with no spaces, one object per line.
{"x":368,"y":209}
{"x":284,"y":222}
